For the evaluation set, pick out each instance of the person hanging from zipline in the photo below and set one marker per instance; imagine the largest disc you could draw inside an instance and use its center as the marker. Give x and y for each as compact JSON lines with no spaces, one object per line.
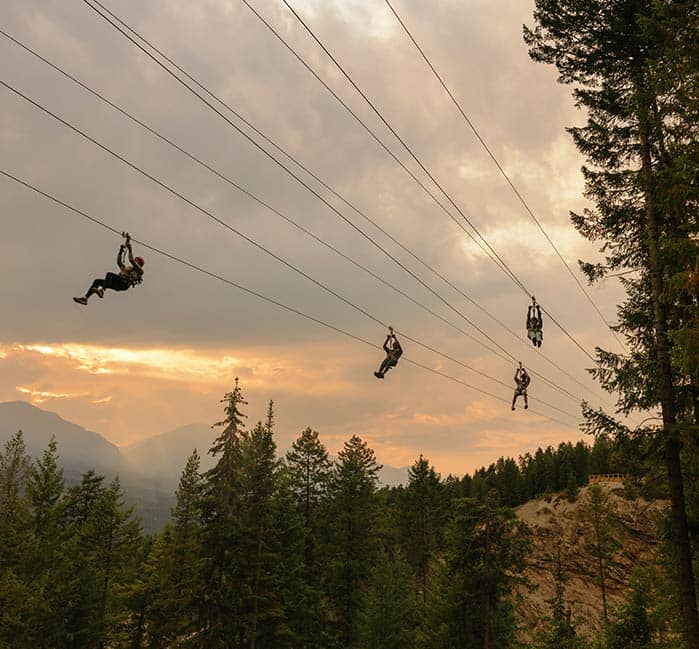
{"x":522,"y":381}
{"x":393,"y":352}
{"x":535,"y":323}
{"x":127,"y":277}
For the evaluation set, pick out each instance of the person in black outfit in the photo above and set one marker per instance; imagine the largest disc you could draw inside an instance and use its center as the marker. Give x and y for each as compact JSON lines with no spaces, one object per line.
{"x":127,"y":277}
{"x":393,"y":353}
{"x":522,"y":381}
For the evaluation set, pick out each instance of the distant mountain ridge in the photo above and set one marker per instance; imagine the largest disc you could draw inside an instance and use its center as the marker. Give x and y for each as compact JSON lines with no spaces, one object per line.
{"x":161,"y":457}
{"x":148,"y":469}
{"x":84,"y":448}
{"x":165,"y":455}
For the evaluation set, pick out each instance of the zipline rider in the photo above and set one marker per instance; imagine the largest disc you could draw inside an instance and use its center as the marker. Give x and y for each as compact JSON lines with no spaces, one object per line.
{"x":127,"y":277}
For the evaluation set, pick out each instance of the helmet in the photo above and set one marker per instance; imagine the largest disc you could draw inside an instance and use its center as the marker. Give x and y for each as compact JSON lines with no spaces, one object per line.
{"x":140,"y":261}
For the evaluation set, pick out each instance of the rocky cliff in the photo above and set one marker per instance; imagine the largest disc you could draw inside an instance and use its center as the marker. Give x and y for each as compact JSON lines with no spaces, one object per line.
{"x":556,"y":522}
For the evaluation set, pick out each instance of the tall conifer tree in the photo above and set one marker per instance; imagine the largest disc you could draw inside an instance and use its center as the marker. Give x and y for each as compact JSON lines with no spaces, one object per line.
{"x":114,"y":537}
{"x":16,"y":598}
{"x":49,"y":534}
{"x":422,"y":517}
{"x":468,"y":600}
{"x":221,"y":532}
{"x":308,"y":467}
{"x":559,"y":631}
{"x":308,"y":471}
{"x":15,"y":467}
{"x":263,"y":618}
{"x":389,"y":613}
{"x":352,"y":528}
{"x":631,"y":65}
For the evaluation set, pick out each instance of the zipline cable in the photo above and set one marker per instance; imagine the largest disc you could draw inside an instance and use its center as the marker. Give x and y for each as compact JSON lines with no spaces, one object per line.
{"x":516,"y":191}
{"x":293,"y":175}
{"x":257,"y":199}
{"x":361,"y":213}
{"x":495,"y":260}
{"x":250,"y":291}
{"x":251,"y":195}
{"x":246,"y":238}
{"x":364,"y":125}
{"x":511,"y":273}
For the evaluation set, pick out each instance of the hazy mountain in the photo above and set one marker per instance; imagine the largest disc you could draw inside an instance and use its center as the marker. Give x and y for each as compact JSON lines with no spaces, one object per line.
{"x":164,"y":456}
{"x":79,"y":448}
{"x":149,"y":470}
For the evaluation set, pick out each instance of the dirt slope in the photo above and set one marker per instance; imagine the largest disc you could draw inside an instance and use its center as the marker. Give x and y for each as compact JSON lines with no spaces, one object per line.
{"x":558,"y":521}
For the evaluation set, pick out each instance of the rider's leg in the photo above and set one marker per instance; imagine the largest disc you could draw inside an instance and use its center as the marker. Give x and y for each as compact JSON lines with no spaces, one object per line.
{"x":97,"y":284}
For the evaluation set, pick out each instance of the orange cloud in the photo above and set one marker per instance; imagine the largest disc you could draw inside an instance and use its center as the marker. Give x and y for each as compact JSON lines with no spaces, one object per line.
{"x":40,"y":396}
{"x":175,"y":364}
{"x":210,"y":367}
{"x":131,"y":393}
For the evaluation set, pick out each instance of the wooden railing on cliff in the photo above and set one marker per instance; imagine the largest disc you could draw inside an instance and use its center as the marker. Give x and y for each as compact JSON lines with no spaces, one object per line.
{"x":596,"y":478}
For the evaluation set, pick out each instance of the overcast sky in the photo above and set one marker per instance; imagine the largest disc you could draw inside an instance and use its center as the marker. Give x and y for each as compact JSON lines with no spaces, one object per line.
{"x":163,"y":354}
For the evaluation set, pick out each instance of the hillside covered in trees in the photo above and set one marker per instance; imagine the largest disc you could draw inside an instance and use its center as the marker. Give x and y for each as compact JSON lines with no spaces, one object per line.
{"x":306,"y":552}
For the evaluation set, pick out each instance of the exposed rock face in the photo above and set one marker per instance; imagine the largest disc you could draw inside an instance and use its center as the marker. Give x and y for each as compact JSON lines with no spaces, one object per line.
{"x":559,"y":523}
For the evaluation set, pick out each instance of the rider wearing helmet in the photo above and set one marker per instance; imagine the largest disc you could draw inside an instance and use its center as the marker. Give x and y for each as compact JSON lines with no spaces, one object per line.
{"x":127,"y":277}
{"x":393,"y":353}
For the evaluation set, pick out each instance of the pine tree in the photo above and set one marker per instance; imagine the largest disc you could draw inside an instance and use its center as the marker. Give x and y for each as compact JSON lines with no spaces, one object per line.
{"x":352,"y":531}
{"x":307,"y":472}
{"x":45,"y":488}
{"x":221,"y":623}
{"x":641,"y":621}
{"x":602,"y":521}
{"x":571,"y":487}
{"x":17,"y":599}
{"x":77,"y":576}
{"x":166,"y":597}
{"x":304,"y":623}
{"x":508,"y":482}
{"x":632,"y":67}
{"x":468,"y":599}
{"x":262,"y":615}
{"x":308,"y":469}
{"x":631,"y":627}
{"x":14,"y":470}
{"x":113,"y":536}
{"x":83,"y":498}
{"x":156,"y":619}
{"x":185,"y":546}
{"x":187,"y":512}
{"x":422,"y":518}
{"x":389,"y":611}
{"x":98,"y":560}
{"x":559,"y":631}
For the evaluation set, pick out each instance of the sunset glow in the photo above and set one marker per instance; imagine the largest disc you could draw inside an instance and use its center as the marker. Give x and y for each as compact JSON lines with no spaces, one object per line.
{"x":163,"y":354}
